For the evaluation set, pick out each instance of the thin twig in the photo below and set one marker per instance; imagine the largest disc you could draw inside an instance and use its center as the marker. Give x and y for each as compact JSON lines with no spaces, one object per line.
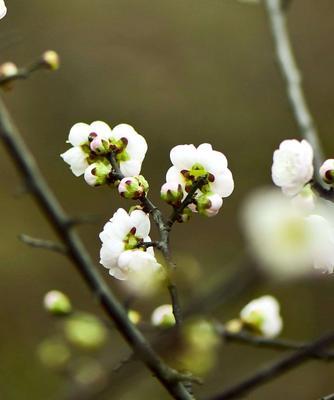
{"x":289,"y":70}
{"x":77,"y":253}
{"x":43,"y":244}
{"x":269,"y":343}
{"x":24,"y":72}
{"x":276,"y":369}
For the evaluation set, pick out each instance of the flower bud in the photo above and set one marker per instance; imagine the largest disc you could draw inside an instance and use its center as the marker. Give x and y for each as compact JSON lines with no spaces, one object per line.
{"x":163,"y":316}
{"x":134,"y":316}
{"x":185,"y":216}
{"x":97,"y":173}
{"x":327,"y":171}
{"x":99,"y":145}
{"x":8,"y":70}
{"x":57,"y":303}
{"x":133,"y":187}
{"x":172,"y":193}
{"x":51,"y":60}
{"x":209,"y":204}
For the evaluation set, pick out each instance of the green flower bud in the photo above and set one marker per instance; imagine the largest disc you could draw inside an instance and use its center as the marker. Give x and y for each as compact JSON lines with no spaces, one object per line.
{"x":172,"y":193}
{"x":57,"y":303}
{"x":133,"y":187}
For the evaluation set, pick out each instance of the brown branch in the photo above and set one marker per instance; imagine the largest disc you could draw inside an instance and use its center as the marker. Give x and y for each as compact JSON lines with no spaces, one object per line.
{"x":77,"y":253}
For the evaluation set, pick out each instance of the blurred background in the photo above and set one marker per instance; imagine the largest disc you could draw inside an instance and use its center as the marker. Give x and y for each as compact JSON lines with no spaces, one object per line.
{"x":185,"y":71}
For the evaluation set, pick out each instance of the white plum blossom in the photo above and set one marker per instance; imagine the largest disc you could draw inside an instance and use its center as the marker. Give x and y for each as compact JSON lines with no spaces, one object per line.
{"x":263,"y":316}
{"x":305,"y":200}
{"x":79,"y":156}
{"x":326,"y":171}
{"x":97,"y":141}
{"x":191,"y":164}
{"x":278,"y":234}
{"x":121,"y":238}
{"x":130,"y":149}
{"x":322,"y":246}
{"x":292,"y":166}
{"x":3,"y":9}
{"x":163,"y":316}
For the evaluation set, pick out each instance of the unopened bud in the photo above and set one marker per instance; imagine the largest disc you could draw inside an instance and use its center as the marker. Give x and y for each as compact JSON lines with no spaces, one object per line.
{"x":163,"y":316}
{"x":99,"y":145}
{"x":51,"y":60}
{"x":57,"y":303}
{"x":8,"y":70}
{"x":209,"y":204}
{"x":327,"y":171}
{"x":134,"y":187}
{"x":134,"y":316}
{"x":172,"y":193}
{"x":97,"y":173}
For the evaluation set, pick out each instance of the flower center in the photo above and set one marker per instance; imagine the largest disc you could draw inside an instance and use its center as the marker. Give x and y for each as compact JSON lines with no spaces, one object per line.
{"x":197,"y":172}
{"x":132,"y":241}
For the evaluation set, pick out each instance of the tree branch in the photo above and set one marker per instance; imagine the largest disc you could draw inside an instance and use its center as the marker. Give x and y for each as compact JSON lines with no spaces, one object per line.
{"x":289,"y":70}
{"x":77,"y":253}
{"x":43,"y":244}
{"x":276,"y":369}
{"x":269,"y":343}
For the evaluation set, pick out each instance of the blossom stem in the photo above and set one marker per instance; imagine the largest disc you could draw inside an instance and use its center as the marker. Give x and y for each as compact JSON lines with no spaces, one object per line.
{"x":78,"y":254}
{"x":23,"y":73}
{"x":290,"y":72}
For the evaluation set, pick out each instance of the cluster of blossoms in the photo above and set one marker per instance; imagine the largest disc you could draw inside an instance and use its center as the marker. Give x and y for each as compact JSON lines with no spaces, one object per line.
{"x":106,"y":156}
{"x":202,"y":166}
{"x":291,"y":232}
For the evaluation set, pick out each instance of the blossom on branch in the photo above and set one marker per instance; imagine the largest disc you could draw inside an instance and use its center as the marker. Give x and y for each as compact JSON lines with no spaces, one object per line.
{"x":292,"y":166}
{"x":263,"y":316}
{"x":122,"y":239}
{"x":203,"y":165}
{"x":163,"y":316}
{"x":97,"y":143}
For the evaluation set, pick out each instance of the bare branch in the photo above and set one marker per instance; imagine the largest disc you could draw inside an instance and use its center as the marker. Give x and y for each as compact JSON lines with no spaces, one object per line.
{"x":276,"y":369}
{"x":269,"y":343}
{"x":289,"y":70}
{"x":43,"y":244}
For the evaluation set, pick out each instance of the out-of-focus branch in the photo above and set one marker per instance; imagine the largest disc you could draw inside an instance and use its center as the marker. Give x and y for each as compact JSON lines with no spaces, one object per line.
{"x":290,"y":72}
{"x":26,"y":165}
{"x":269,"y":343}
{"x":43,"y":244}
{"x":329,"y":397}
{"x":276,"y":369}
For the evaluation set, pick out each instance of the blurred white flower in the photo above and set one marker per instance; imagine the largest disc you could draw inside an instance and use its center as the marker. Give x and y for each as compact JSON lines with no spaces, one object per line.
{"x":130,"y":148}
{"x":326,"y":171}
{"x":263,"y":315}
{"x":278,"y":234}
{"x":121,"y":238}
{"x":191,"y":163}
{"x":3,"y":9}
{"x":80,"y":136}
{"x":163,"y":316}
{"x":305,"y":200}
{"x":322,"y":245}
{"x":292,"y":166}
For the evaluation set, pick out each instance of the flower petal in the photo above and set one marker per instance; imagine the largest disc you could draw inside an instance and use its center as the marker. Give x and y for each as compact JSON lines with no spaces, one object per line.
{"x":76,"y":158}
{"x":79,"y":134}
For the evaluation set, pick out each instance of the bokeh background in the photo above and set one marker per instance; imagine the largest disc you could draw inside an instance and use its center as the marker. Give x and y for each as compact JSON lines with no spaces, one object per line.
{"x":185,"y":71}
